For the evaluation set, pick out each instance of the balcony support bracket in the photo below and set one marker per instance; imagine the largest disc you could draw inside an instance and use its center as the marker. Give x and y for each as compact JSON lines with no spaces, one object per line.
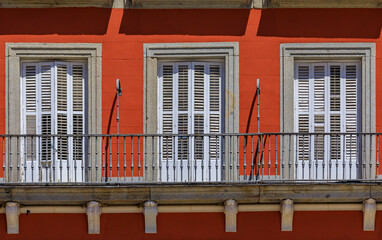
{"x":369,"y":211}
{"x":94,"y":214}
{"x":12,"y":211}
{"x":286,"y":209}
{"x":230,"y":212}
{"x":150,"y":210}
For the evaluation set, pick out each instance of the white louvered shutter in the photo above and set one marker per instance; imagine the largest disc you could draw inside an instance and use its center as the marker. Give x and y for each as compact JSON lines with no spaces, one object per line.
{"x":303,"y":96}
{"x":78,"y":72}
{"x":30,"y":99}
{"x":62,"y":108}
{"x":53,"y":103}
{"x":215,"y":80}
{"x":327,"y":102}
{"x":190,"y":103}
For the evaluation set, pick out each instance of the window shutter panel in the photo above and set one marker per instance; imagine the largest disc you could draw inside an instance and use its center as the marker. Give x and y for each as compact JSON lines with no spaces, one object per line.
{"x":62,"y":86}
{"x":78,"y":84}
{"x":303,"y":110}
{"x":199,"y":108}
{"x":62,"y":108}
{"x":30,"y":87}
{"x":167,"y":108}
{"x":183,"y":103}
{"x":215,"y":75}
{"x":183,"y":81}
{"x":78,"y":114}
{"x":351,"y":110}
{"x":319,"y":110}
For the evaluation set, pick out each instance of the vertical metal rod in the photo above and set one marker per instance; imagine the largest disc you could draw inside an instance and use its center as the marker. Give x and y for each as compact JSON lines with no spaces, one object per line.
{"x":338,"y":140}
{"x":377,"y":162}
{"x":160,"y":157}
{"x":258,"y":105}
{"x":139,"y":158}
{"x":290,"y":159}
{"x":110,"y":160}
{"x":60,"y":139}
{"x":167,"y":165}
{"x":68,"y":160}
{"x":245,"y":158}
{"x":259,"y":141}
{"x":152,"y":157}
{"x":230,"y":159}
{"x":25,"y":158}
{"x":175,"y":156}
{"x":89,"y":157}
{"x":145,"y":158}
{"x":370,"y":154}
{"x":104,"y":170}
{"x":132,"y":158}
{"x":224,"y":157}
{"x":75,"y":157}
{"x":269,"y":156}
{"x":350,"y":157}
{"x":124,"y":160}
{"x":276,"y":162}
{"x":252,"y":160}
{"x":96,"y":158}
{"x":282,"y":173}
{"x":217,"y":156}
{"x":237,"y":159}
{"x":18,"y":159}
{"x":118,"y":156}
{"x":343,"y":156}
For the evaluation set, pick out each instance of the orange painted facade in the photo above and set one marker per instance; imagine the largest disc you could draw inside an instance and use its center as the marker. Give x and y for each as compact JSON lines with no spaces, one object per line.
{"x":259,"y":34}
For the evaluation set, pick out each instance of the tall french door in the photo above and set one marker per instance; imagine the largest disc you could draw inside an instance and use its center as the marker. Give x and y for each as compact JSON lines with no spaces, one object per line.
{"x":52,"y":103}
{"x":190,"y":103}
{"x":327,"y":101}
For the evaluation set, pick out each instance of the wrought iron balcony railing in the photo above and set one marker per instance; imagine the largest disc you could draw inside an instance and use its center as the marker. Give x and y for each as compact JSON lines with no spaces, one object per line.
{"x":155,"y":158}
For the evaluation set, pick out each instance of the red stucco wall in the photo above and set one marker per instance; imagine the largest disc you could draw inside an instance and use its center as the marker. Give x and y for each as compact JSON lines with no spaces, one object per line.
{"x":258,"y":225}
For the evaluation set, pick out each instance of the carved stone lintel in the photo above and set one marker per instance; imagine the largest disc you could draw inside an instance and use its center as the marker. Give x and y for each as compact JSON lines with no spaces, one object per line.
{"x":286,"y":210}
{"x":12,"y":211}
{"x":369,"y":210}
{"x":150,"y":211}
{"x":94,"y":212}
{"x":230,"y":211}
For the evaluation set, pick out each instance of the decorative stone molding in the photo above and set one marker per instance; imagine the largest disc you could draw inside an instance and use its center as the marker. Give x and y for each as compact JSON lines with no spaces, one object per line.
{"x":150,"y":210}
{"x":54,"y":3}
{"x":94,"y":214}
{"x":12,"y":211}
{"x":321,"y":4}
{"x":369,"y":211}
{"x":188,"y":4}
{"x":230,"y":212}
{"x":286,"y":209}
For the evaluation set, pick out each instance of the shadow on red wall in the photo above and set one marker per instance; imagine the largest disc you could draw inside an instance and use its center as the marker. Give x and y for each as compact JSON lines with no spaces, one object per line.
{"x":65,"y":21}
{"x":326,"y":23}
{"x":185,"y":22}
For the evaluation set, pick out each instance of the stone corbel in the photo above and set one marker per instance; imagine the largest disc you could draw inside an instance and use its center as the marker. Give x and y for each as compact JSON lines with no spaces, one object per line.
{"x":369,"y":210}
{"x":94,"y":214}
{"x":12,"y":211}
{"x":150,"y":210}
{"x":286,"y":209}
{"x":230,"y":212}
